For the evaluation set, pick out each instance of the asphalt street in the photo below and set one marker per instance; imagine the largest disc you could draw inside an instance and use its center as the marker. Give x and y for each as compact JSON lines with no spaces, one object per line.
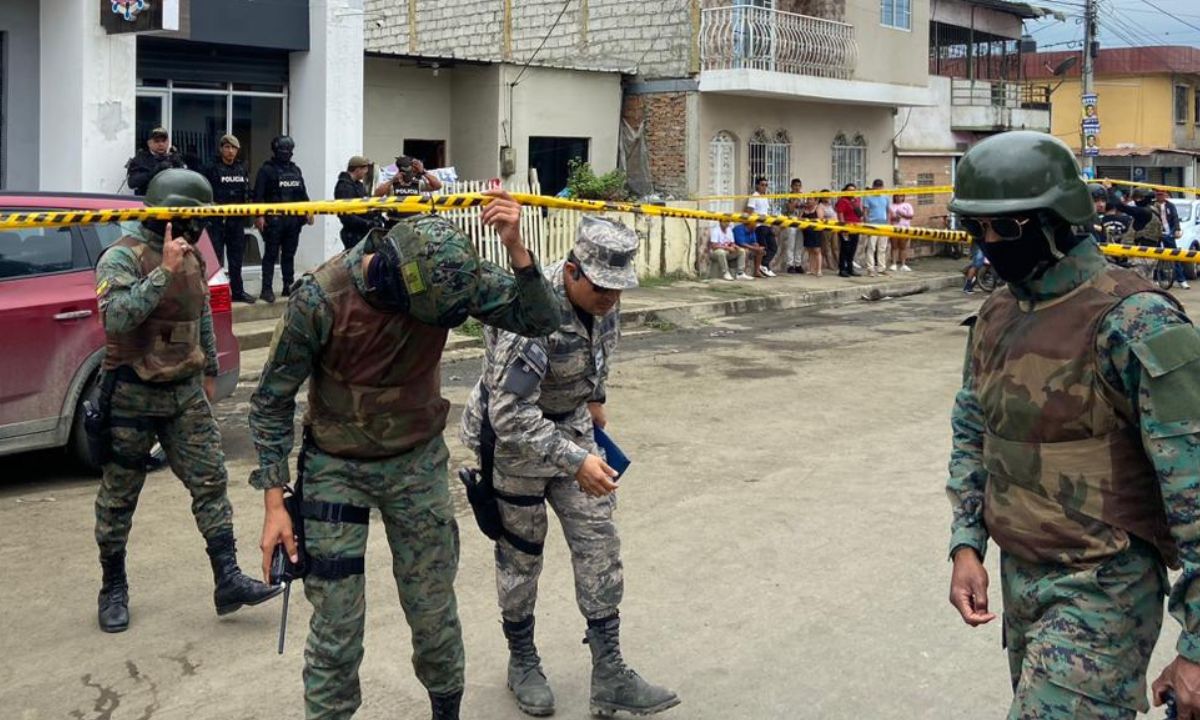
{"x":783,"y":525}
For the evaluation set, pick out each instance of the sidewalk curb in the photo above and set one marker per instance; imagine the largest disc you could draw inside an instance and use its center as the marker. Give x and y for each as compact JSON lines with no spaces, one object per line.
{"x":460,"y":347}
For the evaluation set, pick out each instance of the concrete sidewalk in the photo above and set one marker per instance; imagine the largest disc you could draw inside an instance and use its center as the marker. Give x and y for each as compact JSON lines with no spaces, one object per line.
{"x":661,"y":305}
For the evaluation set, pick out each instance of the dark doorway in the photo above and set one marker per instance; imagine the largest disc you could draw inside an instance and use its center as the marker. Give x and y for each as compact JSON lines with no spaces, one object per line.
{"x":431,"y":153}
{"x":550,"y":156}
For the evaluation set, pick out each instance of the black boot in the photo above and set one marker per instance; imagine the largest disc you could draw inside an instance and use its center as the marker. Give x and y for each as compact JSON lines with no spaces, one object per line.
{"x":445,"y":707}
{"x":267,"y":296}
{"x":113,"y":602}
{"x":614,"y":685}
{"x":526,"y":679}
{"x":234,"y":589}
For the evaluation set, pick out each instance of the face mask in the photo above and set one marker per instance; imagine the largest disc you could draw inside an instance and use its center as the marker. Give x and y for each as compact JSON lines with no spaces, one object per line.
{"x":187,"y":228}
{"x":1016,"y":261}
{"x":283,"y":155}
{"x":387,"y":290}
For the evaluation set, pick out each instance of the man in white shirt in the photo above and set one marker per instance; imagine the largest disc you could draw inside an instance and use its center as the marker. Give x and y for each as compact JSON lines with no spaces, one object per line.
{"x":765,"y":234}
{"x":721,"y":246}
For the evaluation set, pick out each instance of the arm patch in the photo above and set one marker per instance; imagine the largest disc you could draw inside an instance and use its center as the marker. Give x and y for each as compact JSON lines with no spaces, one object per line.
{"x":1168,"y":350}
{"x":1169,"y":358}
{"x":525,"y":373}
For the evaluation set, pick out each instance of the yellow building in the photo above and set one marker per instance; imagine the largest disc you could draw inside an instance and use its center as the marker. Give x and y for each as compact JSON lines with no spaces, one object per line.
{"x":1148,"y":104}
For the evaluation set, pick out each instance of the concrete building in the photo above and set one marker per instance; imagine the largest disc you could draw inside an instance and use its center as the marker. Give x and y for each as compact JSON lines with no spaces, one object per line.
{"x":79,"y":94}
{"x":1148,"y":106}
{"x":977,"y":77}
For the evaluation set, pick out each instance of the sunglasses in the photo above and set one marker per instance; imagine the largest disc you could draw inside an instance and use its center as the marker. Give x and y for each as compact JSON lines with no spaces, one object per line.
{"x":1005,"y":228}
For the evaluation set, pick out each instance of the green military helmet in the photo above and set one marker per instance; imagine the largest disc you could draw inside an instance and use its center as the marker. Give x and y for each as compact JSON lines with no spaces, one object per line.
{"x":438,"y":269}
{"x":1020,"y":172}
{"x":177,"y":187}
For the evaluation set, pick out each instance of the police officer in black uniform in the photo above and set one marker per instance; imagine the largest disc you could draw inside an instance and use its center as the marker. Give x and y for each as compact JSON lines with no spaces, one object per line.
{"x":280,"y":180}
{"x":158,"y":155}
{"x":230,"y":180}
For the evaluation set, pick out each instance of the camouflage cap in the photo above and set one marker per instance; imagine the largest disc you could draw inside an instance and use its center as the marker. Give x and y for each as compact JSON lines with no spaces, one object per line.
{"x":606,"y":251}
{"x":439,"y":268}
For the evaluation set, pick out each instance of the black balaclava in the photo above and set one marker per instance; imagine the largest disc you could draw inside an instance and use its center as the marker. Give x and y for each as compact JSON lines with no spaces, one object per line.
{"x":1044,"y":240}
{"x":282,"y":149}
{"x":187,"y":228}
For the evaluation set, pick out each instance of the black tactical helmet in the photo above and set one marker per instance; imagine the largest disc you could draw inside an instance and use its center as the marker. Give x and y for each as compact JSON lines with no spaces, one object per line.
{"x":283,"y":142}
{"x":177,"y":187}
{"x":1141,"y":194}
{"x":1021,"y":172}
{"x":1098,"y":191}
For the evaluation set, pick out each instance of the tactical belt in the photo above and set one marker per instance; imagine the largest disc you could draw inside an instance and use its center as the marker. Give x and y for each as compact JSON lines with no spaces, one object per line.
{"x":127,"y":374}
{"x":559,"y":417}
{"x":338,"y":569}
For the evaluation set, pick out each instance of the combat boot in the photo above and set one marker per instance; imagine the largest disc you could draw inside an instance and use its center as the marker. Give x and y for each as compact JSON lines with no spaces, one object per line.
{"x":445,"y":707}
{"x":234,"y":588}
{"x":525,"y":676}
{"x":113,"y":602}
{"x":614,"y":685}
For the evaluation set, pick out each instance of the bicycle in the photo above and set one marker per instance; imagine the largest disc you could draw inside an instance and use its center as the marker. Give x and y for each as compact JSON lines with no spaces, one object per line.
{"x":1156,"y":270}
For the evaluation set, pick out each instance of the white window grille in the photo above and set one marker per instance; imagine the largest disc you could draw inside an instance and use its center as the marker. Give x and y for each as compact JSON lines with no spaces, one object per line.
{"x":722,"y":168}
{"x":849,"y":161}
{"x":771,"y":157}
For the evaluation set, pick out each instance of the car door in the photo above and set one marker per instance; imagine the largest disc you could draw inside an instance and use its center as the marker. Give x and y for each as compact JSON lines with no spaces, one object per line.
{"x":48,"y":324}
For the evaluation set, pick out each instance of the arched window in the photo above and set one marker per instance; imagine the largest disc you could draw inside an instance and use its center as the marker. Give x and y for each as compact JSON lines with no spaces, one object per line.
{"x":771,"y":157}
{"x":849,"y":161}
{"x":722,"y":170}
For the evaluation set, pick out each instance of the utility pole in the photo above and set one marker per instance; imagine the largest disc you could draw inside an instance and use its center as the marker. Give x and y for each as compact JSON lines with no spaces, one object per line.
{"x":1091,"y":48}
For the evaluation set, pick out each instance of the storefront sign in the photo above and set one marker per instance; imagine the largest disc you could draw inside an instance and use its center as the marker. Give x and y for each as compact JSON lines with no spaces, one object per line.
{"x":134,"y":16}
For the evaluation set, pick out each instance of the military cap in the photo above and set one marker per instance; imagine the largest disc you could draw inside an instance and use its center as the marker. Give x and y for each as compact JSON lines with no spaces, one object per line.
{"x":357,"y":161}
{"x":231,"y":140}
{"x":160,"y":132}
{"x":606,"y":251}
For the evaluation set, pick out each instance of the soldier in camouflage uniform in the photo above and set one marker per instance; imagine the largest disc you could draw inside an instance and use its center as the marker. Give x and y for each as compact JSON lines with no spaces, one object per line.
{"x":540,"y":397}
{"x":1076,"y":447}
{"x":366,"y":329}
{"x":158,"y":378}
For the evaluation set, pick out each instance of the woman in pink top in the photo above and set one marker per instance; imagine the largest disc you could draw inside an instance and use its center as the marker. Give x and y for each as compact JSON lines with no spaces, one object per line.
{"x":900,"y":213}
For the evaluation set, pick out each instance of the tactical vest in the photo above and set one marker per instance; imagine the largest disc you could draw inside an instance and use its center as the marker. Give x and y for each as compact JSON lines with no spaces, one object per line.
{"x":166,"y":346}
{"x":1068,"y":479}
{"x":1152,"y":233}
{"x":375,"y":391}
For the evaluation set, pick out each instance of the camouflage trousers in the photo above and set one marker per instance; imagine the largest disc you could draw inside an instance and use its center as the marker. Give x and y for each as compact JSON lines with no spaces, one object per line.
{"x":180,"y":418}
{"x":1079,"y":640}
{"x":413,"y":495}
{"x":591,"y":535}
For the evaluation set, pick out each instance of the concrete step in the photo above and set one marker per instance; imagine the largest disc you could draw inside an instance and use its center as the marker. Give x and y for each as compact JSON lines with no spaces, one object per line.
{"x":254,"y":333}
{"x":243,"y":313}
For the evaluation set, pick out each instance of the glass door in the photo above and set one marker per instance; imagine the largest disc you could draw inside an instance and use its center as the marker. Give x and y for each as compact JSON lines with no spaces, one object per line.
{"x":152,"y":110}
{"x":198,"y":120}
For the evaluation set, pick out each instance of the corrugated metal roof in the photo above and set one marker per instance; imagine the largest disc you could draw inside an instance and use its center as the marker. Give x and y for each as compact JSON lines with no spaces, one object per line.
{"x":1024,"y":10}
{"x":1121,"y":61}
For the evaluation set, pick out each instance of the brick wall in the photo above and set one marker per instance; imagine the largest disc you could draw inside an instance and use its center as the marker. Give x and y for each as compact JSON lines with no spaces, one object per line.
{"x":665,"y":115}
{"x":654,"y":38}
{"x":929,"y":170}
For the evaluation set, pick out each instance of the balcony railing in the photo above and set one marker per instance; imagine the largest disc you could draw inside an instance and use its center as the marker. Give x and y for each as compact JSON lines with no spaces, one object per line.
{"x":999,"y":93}
{"x":757,"y":38}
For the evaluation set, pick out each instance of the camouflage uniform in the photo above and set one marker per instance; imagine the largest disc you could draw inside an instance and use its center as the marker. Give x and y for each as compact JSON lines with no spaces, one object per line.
{"x":1082,"y":591}
{"x":374,"y":440}
{"x":173,"y":411}
{"x":534,"y":395}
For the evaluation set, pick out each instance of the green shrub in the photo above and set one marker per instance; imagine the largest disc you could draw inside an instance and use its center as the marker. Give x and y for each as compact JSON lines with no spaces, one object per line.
{"x":583,"y":183}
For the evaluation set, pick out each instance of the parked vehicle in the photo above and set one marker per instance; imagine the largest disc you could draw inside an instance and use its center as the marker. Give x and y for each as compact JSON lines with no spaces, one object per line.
{"x":51,"y":324}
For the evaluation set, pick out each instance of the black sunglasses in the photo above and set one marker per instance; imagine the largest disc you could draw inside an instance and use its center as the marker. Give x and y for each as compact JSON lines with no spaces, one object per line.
{"x":1006,"y":228}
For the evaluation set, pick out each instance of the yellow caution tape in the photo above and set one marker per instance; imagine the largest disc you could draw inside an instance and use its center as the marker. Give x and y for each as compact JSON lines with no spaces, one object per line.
{"x":1152,"y":186}
{"x":1152,"y":253}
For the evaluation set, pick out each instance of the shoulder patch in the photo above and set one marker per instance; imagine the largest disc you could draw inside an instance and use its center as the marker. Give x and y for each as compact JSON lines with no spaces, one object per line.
{"x":1168,"y":350}
{"x":102,"y":288}
{"x":526,"y":371}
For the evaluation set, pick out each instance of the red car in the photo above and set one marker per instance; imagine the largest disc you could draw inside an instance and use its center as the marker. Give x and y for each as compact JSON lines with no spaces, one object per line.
{"x":49,"y":315}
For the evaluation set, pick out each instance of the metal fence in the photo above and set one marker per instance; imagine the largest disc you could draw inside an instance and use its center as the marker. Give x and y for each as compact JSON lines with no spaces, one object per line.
{"x":758,"y":38}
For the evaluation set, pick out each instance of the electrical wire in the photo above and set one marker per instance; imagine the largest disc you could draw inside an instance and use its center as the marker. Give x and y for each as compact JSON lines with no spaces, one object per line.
{"x":550,"y":32}
{"x":1170,"y":15}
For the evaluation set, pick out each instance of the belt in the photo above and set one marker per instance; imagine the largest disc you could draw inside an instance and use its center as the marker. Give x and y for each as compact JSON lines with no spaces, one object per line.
{"x":126,"y":374}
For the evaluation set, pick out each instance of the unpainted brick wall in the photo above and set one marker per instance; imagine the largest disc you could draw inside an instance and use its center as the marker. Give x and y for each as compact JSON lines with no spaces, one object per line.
{"x":665,"y":115}
{"x":652,"y":37}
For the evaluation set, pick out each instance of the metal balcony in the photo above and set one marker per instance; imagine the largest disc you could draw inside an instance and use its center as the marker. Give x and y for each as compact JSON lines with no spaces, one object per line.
{"x":756,"y":38}
{"x":995,"y":105}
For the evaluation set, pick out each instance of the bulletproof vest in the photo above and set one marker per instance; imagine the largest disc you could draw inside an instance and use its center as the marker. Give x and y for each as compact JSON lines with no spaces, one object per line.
{"x":1068,"y":480}
{"x":166,"y":346}
{"x":230,"y":182}
{"x":289,"y":182}
{"x":1152,"y":232}
{"x":375,"y":390}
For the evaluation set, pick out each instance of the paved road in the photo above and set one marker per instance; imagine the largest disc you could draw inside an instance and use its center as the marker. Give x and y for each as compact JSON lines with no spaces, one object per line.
{"x":784,"y":534}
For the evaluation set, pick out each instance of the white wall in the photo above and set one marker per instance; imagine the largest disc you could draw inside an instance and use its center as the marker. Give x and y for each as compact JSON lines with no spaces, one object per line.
{"x":402,"y":101}
{"x":87,"y":108}
{"x":812,"y":127}
{"x":475,"y":130}
{"x":564,"y":103}
{"x":325,"y":113}
{"x":927,"y":128}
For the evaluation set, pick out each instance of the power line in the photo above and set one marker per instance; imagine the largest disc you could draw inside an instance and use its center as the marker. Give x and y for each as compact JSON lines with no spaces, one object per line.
{"x":1176,"y":17}
{"x":562,"y":12}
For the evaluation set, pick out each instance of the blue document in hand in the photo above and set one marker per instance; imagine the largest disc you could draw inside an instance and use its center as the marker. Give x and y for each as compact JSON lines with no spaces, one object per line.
{"x":612,"y":454}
